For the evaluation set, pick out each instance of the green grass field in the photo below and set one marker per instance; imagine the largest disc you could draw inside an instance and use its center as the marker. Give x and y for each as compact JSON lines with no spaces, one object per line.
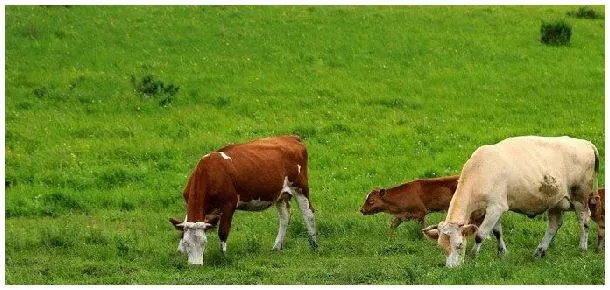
{"x":381,"y":95}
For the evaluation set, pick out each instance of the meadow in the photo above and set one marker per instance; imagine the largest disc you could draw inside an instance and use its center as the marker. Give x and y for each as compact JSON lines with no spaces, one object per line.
{"x":108,"y":109}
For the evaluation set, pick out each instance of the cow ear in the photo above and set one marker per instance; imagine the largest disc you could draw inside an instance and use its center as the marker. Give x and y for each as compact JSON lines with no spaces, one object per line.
{"x":212,"y":219}
{"x":431,"y":232}
{"x":382,"y":192}
{"x":207,"y":226}
{"x":177,"y":224}
{"x":468,"y":230}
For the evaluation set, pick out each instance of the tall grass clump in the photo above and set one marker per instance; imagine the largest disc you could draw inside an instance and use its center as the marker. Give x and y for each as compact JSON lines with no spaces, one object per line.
{"x":150,"y":86}
{"x":586,"y":12}
{"x":557,"y":33}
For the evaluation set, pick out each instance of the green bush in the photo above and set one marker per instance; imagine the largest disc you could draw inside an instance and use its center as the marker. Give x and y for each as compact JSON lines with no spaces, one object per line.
{"x":555,"y":33}
{"x":586,"y":12}
{"x":150,"y":86}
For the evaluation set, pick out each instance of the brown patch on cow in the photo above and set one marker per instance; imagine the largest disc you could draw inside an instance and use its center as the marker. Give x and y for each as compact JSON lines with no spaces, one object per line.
{"x":548,"y":185}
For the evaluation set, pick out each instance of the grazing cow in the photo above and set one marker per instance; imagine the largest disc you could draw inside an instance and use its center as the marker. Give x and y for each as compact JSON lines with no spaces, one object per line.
{"x":252,"y":176}
{"x":414,"y":200}
{"x":597,"y":206}
{"x":528,"y":175}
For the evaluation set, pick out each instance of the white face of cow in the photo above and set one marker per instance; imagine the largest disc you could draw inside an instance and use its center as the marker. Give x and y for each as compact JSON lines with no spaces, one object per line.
{"x":452,"y":239}
{"x":193,"y":241}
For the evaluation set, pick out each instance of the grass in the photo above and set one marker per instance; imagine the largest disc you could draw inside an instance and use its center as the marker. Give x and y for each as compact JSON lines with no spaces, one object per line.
{"x":381,"y":95}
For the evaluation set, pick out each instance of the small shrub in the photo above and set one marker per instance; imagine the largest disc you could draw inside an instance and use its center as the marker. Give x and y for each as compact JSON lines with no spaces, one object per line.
{"x":150,"y":86}
{"x":586,"y":12}
{"x":556,"y":33}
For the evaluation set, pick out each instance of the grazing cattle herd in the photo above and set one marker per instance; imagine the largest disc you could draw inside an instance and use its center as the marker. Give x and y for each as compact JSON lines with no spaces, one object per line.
{"x":528,"y":175}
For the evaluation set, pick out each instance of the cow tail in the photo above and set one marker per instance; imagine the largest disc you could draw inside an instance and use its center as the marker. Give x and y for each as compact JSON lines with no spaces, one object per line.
{"x":595,"y":181}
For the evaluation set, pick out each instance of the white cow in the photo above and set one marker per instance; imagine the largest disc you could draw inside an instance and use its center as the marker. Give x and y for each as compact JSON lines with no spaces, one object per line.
{"x":528,"y":175}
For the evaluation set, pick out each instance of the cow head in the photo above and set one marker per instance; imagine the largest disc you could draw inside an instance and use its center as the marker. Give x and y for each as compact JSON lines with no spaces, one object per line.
{"x":452,"y":239}
{"x":193,"y":240}
{"x":374,"y":202}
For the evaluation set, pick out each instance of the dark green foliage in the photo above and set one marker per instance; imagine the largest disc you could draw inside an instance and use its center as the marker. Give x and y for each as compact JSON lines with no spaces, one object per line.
{"x":556,"y":33}
{"x":586,"y":12}
{"x":150,"y":86}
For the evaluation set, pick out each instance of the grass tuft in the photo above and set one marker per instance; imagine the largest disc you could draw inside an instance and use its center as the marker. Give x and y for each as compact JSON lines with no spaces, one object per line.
{"x":586,"y":12}
{"x":151,"y":87}
{"x":556,"y":33}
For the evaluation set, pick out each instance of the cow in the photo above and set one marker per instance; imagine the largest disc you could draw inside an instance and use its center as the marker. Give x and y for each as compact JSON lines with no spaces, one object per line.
{"x":414,"y":200}
{"x":251,"y":176}
{"x":597,"y":206}
{"x":527,"y":175}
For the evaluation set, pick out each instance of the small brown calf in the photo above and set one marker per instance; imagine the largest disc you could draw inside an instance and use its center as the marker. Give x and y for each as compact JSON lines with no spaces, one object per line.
{"x":414,"y":199}
{"x":597,"y":207}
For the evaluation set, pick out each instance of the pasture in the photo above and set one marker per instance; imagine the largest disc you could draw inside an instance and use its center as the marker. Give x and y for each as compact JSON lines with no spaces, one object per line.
{"x":99,"y":143}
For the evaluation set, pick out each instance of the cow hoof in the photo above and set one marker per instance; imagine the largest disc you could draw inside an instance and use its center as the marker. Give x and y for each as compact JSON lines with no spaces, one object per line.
{"x":539,"y":253}
{"x":313,"y":244}
{"x":502,"y":253}
{"x":475,"y":250}
{"x":277,"y":247}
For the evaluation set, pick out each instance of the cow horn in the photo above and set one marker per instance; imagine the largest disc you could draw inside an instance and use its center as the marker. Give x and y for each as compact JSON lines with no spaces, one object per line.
{"x":177,"y":224}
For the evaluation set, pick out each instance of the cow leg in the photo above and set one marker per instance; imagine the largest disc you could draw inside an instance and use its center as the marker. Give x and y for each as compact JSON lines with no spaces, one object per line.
{"x":421,"y":222}
{"x":308,"y":217}
{"x":492,"y":217}
{"x":395,"y":223}
{"x":582,"y":216}
{"x":497,"y":231}
{"x":225,"y":227}
{"x":555,"y":222}
{"x":600,"y":235}
{"x":283,"y":207}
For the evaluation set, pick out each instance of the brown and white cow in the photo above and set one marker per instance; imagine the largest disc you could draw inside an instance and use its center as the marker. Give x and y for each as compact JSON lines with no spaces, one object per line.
{"x":597,"y":205}
{"x":414,"y":200}
{"x":252,"y":176}
{"x":528,"y":175}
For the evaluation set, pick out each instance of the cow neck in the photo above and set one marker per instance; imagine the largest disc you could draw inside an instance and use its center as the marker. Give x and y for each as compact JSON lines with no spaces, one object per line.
{"x":196,"y":201}
{"x":459,"y":207}
{"x":194,"y":212}
{"x":393,"y":204}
